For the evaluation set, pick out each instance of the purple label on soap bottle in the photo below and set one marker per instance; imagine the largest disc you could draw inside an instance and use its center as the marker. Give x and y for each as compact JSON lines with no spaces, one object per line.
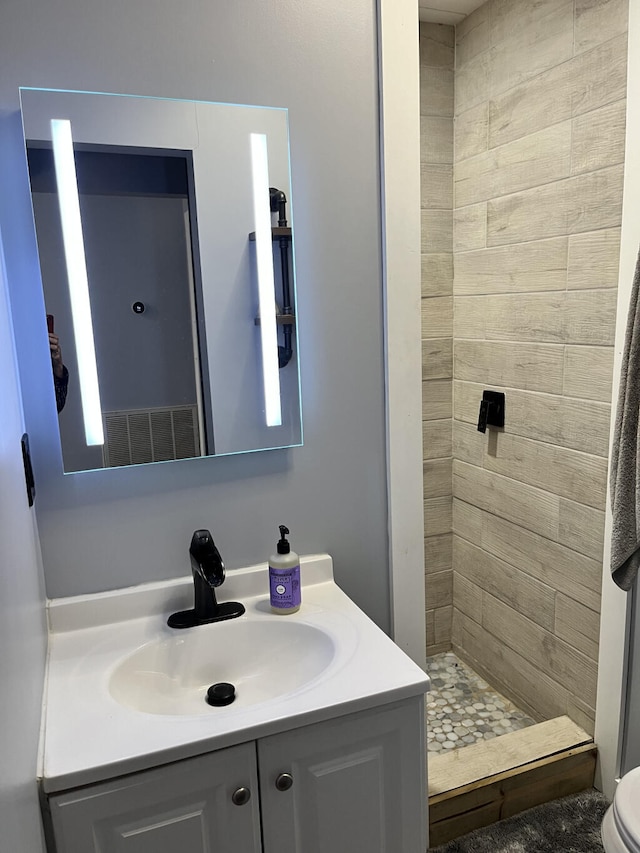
{"x":284,"y":586}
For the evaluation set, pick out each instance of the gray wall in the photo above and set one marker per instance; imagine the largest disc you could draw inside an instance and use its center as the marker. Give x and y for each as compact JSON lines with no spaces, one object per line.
{"x":116,"y":528}
{"x":22,"y":623}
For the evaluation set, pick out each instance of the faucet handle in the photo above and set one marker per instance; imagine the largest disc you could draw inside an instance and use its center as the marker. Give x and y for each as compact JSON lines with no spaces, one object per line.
{"x":200,"y":538}
{"x":205,"y":558}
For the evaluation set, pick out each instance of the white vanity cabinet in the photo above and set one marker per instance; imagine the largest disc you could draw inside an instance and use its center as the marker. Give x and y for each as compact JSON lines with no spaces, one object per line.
{"x":353,"y":782}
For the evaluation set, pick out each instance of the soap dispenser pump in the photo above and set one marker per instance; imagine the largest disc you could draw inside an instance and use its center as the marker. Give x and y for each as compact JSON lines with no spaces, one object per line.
{"x":284,"y":577}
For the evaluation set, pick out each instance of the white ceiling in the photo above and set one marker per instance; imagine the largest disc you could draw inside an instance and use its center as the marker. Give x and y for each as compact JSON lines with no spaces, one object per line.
{"x":446,"y":11}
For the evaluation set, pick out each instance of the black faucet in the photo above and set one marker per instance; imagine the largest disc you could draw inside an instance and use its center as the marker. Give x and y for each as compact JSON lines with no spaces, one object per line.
{"x":208,"y":573}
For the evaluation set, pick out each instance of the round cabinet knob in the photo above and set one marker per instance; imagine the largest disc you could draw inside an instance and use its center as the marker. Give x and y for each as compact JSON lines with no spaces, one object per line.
{"x":241,"y":796}
{"x":284,"y":781}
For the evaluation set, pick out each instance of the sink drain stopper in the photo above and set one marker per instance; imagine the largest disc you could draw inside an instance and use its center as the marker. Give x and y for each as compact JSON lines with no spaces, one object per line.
{"x":221,"y":694}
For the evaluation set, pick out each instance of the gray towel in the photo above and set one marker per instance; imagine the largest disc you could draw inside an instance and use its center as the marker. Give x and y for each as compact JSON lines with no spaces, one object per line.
{"x":625,"y":456}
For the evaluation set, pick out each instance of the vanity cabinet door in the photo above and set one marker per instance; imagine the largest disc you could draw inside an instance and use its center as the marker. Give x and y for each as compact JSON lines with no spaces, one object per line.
{"x":356,"y":783}
{"x":186,"y":807}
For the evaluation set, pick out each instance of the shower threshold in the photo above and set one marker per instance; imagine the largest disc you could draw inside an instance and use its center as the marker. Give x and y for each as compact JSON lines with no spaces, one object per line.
{"x":494,"y":777}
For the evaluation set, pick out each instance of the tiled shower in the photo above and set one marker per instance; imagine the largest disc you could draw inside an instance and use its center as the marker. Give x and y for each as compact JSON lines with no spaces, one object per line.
{"x":522,"y":148}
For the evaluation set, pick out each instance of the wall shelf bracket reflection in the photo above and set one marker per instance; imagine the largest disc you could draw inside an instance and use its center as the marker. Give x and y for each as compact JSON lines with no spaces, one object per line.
{"x":285,"y":317}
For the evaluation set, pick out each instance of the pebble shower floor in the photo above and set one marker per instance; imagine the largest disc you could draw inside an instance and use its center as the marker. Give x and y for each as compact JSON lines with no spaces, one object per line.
{"x":463,"y":709}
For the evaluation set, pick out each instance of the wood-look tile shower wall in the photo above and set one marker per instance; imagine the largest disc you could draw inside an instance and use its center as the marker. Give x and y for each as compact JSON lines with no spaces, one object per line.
{"x":437,"y":45}
{"x":538,"y":167}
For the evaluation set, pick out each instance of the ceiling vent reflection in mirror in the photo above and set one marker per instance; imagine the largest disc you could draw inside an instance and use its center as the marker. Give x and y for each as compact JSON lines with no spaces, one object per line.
{"x":165,"y":240}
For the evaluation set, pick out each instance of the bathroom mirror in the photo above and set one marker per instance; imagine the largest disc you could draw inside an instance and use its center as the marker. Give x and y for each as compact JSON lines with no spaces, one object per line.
{"x":165,"y":239}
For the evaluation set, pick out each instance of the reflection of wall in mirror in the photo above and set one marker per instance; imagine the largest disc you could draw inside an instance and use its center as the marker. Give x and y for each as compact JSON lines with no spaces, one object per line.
{"x":138,"y":254}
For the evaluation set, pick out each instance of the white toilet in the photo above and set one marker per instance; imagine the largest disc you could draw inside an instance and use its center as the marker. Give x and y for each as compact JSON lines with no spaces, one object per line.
{"x":621,"y":824}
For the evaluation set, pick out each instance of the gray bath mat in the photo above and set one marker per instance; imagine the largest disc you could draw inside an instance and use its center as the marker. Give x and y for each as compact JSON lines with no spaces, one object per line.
{"x":569,"y":825}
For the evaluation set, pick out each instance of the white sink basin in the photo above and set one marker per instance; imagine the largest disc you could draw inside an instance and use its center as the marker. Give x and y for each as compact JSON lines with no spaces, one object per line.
{"x":263,"y":660}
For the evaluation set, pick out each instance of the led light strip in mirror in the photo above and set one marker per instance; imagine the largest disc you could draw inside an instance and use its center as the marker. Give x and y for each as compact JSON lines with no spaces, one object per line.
{"x":77,"y":279}
{"x":266,"y":284}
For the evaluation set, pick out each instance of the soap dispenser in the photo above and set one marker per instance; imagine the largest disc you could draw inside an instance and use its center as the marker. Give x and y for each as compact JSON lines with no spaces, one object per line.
{"x":284,"y":577}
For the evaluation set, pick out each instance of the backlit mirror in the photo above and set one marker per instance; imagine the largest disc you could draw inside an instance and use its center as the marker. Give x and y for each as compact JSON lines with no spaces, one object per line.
{"x":165,"y":239}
